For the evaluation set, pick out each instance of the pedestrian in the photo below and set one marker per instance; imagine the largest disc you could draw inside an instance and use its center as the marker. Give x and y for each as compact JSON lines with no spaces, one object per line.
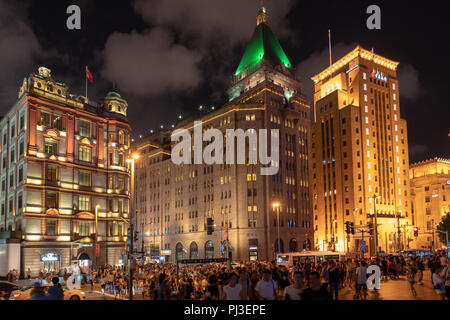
{"x":232,"y":291}
{"x":38,"y":292}
{"x":438,"y":282}
{"x":55,"y":292}
{"x":333,"y":276}
{"x":266,"y":287}
{"x":361,"y":282}
{"x":295,"y":290}
{"x":315,"y":291}
{"x":244,"y":281}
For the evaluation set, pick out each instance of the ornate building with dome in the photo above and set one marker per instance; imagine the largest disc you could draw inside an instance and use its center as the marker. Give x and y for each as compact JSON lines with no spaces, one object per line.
{"x":63,"y":164}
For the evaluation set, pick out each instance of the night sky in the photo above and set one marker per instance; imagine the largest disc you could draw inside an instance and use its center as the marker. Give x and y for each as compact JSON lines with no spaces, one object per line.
{"x":167,"y":57}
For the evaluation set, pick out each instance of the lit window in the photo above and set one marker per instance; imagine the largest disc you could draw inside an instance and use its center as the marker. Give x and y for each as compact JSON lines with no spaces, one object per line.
{"x":84,"y":203}
{"x":85,"y":128}
{"x":85,"y":154}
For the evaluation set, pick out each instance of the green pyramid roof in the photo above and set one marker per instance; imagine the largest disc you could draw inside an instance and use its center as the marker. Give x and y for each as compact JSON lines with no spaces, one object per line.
{"x":263,"y":45}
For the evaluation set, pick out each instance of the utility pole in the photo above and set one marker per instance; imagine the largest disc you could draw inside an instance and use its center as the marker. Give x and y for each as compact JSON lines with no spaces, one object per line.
{"x":432,"y":241}
{"x":399,"y":233}
{"x":362,"y":241}
{"x":142,"y":242}
{"x":376,"y":225}
{"x":228,"y":248}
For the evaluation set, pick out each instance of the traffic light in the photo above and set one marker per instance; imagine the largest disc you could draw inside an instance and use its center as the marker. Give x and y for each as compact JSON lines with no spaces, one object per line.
{"x":347,"y":227}
{"x":136,"y":233}
{"x":352,"y":228}
{"x":416,"y":232}
{"x":370,"y":225}
{"x":210,"y":226}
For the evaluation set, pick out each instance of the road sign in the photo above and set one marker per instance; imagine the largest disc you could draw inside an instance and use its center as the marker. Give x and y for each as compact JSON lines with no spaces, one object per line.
{"x":363,"y":247}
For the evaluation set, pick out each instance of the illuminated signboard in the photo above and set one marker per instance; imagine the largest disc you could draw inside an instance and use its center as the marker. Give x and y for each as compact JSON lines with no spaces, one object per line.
{"x":448,"y":182}
{"x":50,"y":257}
{"x":166,"y":252}
{"x":435,"y":193}
{"x":379,"y":76}
{"x":352,"y":68}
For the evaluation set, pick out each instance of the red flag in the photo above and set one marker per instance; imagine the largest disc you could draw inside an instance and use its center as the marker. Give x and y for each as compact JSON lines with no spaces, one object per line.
{"x":89,"y":75}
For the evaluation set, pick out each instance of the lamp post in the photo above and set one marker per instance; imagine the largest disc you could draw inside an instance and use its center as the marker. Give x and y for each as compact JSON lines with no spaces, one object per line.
{"x":276,"y":206}
{"x":96,"y":236}
{"x":131,"y":161}
{"x":399,"y":243}
{"x":375,"y":197}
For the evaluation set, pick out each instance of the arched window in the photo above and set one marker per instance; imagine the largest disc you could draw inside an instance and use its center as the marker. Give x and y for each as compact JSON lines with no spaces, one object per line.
{"x":179,"y":251}
{"x":209,"y":250}
{"x":121,"y":137}
{"x":193,"y":251}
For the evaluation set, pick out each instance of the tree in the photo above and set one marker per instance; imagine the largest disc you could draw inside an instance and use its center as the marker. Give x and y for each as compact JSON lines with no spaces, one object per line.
{"x":444,"y":226}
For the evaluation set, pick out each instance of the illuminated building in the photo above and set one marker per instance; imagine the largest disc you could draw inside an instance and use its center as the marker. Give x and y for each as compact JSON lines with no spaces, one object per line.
{"x":430,"y":199}
{"x":175,"y":201}
{"x":360,"y":149}
{"x":61,"y":157}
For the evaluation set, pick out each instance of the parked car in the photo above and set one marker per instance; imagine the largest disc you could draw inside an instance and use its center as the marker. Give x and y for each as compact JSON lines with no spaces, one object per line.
{"x":69,"y":294}
{"x":8,"y":287}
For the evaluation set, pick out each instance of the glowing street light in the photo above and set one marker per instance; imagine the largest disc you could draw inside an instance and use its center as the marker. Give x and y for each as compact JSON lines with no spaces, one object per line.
{"x":276,"y":207}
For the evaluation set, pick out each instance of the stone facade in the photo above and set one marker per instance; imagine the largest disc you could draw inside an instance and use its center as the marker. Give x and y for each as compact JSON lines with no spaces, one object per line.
{"x":63,"y":157}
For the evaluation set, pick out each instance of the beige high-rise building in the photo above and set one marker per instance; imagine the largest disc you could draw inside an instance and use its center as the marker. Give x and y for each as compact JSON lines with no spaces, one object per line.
{"x":175,"y":201}
{"x":430,"y":198}
{"x":359,"y":149}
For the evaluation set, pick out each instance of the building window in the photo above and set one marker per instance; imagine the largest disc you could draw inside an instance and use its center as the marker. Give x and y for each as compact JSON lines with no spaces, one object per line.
{"x":83,"y":228}
{"x":85,"y":154}
{"x":121,"y":137}
{"x":84,"y":203}
{"x":50,"y":228}
{"x":85,"y":128}
{"x":51,"y":147}
{"x":52,"y":200}
{"x":52,"y":173}
{"x":20,"y":202}
{"x":45,"y":119}
{"x":85,"y":178}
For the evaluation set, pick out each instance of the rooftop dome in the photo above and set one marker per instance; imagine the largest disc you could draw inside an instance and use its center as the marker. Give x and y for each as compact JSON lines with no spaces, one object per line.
{"x":113,"y":94}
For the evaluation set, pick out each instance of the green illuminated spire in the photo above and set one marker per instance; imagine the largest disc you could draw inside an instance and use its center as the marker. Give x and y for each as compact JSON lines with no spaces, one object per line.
{"x":263,"y":45}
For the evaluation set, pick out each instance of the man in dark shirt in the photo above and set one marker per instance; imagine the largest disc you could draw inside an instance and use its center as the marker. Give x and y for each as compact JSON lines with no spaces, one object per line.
{"x":315,"y":291}
{"x":55,"y":292}
{"x":333,"y":272}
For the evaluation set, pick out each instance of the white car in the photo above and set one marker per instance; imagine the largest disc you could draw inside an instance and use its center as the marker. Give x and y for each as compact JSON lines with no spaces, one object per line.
{"x":69,"y":294}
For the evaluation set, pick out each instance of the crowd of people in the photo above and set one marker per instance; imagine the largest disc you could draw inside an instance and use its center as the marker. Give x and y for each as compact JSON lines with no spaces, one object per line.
{"x":305,"y":280}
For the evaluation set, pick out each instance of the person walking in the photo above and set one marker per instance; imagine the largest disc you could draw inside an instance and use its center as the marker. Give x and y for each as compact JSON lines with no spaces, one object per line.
{"x":438,"y":282}
{"x":295,"y":290}
{"x":266,"y":287}
{"x":333,"y":274}
{"x":55,"y":292}
{"x":361,"y":280}
{"x":232,"y":291}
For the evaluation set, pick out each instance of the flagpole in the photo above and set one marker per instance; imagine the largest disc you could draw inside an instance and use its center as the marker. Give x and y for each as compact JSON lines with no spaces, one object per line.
{"x":85,"y":75}
{"x":329,"y":45}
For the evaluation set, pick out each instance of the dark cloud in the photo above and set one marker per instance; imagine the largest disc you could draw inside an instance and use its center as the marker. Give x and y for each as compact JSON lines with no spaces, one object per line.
{"x":150,"y":63}
{"x":409,"y":84}
{"x":20,"y":51}
{"x":207,"y":19}
{"x":416,"y":150}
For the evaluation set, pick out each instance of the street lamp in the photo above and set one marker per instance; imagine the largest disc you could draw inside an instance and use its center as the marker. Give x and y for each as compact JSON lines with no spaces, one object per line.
{"x":375,"y":197}
{"x":96,"y":234}
{"x":276,"y":206}
{"x":134,"y":157}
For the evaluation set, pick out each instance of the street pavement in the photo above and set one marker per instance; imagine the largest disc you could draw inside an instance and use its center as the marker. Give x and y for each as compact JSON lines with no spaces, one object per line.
{"x":390,"y":290}
{"x":397,"y":290}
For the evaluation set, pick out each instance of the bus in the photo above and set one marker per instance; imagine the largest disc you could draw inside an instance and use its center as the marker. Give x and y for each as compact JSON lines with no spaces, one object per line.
{"x":288,"y":259}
